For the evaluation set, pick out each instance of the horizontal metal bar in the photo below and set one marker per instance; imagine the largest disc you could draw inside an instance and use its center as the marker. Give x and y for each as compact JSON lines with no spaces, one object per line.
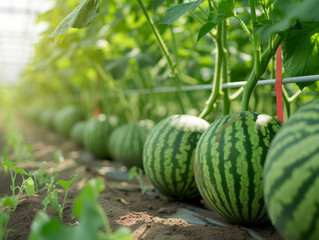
{"x":311,"y":78}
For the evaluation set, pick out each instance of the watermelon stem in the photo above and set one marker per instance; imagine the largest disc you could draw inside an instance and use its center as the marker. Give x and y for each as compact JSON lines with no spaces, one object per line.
{"x":217,"y":80}
{"x":255,"y":75}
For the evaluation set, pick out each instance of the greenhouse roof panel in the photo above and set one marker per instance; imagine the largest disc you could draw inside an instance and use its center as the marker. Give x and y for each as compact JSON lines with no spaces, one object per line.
{"x":18,"y":34}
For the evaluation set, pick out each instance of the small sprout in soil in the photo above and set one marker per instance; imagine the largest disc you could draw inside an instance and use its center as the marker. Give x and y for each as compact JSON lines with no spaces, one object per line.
{"x":59,"y":156}
{"x":44,"y":180}
{"x":91,"y":218}
{"x":27,"y":184}
{"x":52,"y":198}
{"x":136,"y":172}
{"x":4,"y":216}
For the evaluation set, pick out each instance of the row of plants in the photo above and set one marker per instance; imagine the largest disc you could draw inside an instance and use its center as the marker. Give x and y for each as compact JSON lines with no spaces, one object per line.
{"x":222,"y":154}
{"x":14,"y":151}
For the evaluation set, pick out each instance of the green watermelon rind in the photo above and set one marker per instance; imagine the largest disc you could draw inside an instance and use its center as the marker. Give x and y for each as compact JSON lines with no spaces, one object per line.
{"x":291,"y":176}
{"x":168,"y":155}
{"x":228,"y":176}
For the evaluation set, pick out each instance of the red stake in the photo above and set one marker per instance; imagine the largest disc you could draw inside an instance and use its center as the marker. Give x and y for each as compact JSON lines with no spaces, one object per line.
{"x":279,"y":85}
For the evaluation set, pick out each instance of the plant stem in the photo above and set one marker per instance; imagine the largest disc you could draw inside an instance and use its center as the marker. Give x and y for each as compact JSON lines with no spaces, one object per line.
{"x":288,"y":100}
{"x":62,"y":208}
{"x":225,"y":69}
{"x":254,"y":75}
{"x":217,"y":74}
{"x":245,"y":28}
{"x":158,"y":37}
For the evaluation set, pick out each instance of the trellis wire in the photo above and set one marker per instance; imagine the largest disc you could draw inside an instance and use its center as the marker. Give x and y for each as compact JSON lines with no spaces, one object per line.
{"x":303,"y":79}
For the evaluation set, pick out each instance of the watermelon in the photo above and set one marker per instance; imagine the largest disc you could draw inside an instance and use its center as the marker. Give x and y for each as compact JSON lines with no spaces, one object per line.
{"x":126,"y":143}
{"x":168,"y":155}
{"x":66,"y":118}
{"x":77,"y":132}
{"x":47,"y":118}
{"x":291,"y":176}
{"x":96,"y":134}
{"x":229,"y":165}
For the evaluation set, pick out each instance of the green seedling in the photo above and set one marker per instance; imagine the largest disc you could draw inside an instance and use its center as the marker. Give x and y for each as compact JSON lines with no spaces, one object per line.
{"x":44,"y":180}
{"x":59,"y":156}
{"x":27,"y":184}
{"x":91,"y":219}
{"x":4,"y":216}
{"x":136,"y":172}
{"x":52,"y":198}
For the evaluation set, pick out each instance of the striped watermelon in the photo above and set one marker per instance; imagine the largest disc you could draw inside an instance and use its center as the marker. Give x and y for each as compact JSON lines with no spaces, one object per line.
{"x":291,"y":176}
{"x":77,"y":132}
{"x":127,"y":141}
{"x":66,"y":118}
{"x":168,"y":155}
{"x":47,"y":118}
{"x":96,"y":134}
{"x":229,"y":162}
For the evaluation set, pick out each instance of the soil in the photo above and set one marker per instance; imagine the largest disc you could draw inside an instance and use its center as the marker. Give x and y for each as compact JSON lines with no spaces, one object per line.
{"x":149,"y":216}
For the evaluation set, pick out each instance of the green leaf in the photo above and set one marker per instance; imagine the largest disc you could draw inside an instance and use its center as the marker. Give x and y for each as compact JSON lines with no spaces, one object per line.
{"x":285,"y":14}
{"x":134,"y":172}
{"x":80,"y":17}
{"x":9,"y":164}
{"x":66,"y":184}
{"x":29,"y":186}
{"x":123,"y":233}
{"x":89,"y":193}
{"x":51,"y":199}
{"x":20,"y":170}
{"x":225,"y":9}
{"x":8,"y":201}
{"x":301,"y":51}
{"x":45,"y":228}
{"x":175,"y":12}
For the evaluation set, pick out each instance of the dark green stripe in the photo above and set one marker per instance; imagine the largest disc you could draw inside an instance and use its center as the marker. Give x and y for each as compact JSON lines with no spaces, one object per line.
{"x":210,"y":139}
{"x":278,"y":148}
{"x":289,"y":209}
{"x":288,"y":171}
{"x":159,"y":134}
{"x":192,"y":141}
{"x":312,"y":231}
{"x":176,"y":146}
{"x":248,"y":123}
{"x":230,"y":130}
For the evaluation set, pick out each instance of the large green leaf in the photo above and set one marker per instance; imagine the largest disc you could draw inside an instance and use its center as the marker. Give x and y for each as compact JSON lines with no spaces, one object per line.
{"x":285,"y":13}
{"x":80,"y":17}
{"x":301,"y":51}
{"x":175,"y":12}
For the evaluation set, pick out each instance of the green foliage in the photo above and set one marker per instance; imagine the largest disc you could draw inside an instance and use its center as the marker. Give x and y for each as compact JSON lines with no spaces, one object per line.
{"x":44,"y":180}
{"x":81,"y":17}
{"x":225,"y":9}
{"x":4,"y":220}
{"x":175,"y":12}
{"x":301,"y":51}
{"x":27,"y":184}
{"x":137,"y":173}
{"x":52,"y":198}
{"x":285,"y":13}
{"x":91,"y":219}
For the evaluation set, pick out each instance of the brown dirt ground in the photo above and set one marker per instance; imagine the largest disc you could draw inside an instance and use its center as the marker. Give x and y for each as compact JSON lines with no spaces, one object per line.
{"x":149,"y":216}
